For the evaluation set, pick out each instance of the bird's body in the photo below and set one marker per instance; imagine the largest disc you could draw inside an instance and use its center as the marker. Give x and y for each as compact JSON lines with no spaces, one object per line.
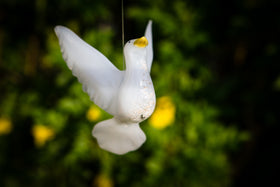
{"x":136,"y":94}
{"x":128,"y":95}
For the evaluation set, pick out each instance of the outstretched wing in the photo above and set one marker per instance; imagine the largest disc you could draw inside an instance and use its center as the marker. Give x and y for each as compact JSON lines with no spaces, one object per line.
{"x":149,"y":36}
{"x":99,"y":77}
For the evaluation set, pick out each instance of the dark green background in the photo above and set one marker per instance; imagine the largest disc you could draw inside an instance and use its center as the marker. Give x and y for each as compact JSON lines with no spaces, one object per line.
{"x":217,"y":60}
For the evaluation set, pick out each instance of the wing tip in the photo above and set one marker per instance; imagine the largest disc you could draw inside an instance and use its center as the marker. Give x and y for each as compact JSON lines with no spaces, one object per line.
{"x":148,"y":29}
{"x":58,"y":29}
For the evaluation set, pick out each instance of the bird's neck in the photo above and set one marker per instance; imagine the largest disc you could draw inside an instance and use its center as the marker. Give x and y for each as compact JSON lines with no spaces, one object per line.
{"x":136,"y":62}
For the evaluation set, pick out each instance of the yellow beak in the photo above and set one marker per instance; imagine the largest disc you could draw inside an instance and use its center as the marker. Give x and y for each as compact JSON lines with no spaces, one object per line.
{"x":141,"y":42}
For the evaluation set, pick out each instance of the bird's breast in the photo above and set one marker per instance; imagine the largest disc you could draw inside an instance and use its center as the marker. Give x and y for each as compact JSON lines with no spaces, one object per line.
{"x":137,"y":96}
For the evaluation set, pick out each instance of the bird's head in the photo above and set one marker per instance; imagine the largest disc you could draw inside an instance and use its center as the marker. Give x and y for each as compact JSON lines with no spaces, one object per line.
{"x":136,"y":46}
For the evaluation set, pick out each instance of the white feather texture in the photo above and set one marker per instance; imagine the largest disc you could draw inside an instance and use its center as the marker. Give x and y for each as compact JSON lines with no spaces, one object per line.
{"x":127,"y":95}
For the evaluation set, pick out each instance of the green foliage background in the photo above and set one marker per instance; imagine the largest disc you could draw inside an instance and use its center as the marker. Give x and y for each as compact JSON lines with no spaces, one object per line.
{"x":217,"y":60}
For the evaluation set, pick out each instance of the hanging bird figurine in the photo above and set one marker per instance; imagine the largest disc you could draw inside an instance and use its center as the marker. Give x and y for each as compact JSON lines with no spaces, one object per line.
{"x":127,"y":95}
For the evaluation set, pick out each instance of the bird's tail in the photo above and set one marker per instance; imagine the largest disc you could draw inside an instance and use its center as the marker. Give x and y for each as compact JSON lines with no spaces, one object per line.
{"x":117,"y":137}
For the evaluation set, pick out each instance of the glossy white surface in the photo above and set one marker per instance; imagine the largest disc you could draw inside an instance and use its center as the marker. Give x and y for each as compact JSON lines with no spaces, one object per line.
{"x":128,"y":95}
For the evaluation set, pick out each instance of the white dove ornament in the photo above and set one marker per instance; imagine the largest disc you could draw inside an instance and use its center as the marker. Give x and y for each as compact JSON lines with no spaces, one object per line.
{"x":127,"y":95}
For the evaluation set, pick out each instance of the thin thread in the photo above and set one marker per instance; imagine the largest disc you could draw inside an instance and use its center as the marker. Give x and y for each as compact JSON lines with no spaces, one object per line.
{"x":122,"y":25}
{"x":123,"y":32}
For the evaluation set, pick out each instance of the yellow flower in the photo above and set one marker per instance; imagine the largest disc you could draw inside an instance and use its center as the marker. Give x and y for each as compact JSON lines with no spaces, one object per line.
{"x":93,"y":113}
{"x":102,"y":181}
{"x":42,"y":134}
{"x":164,"y":114}
{"x":5,"y":126}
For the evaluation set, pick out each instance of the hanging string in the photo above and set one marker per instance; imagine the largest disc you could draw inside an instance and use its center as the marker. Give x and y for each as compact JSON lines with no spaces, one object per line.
{"x":122,"y":25}
{"x":123,"y":32}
